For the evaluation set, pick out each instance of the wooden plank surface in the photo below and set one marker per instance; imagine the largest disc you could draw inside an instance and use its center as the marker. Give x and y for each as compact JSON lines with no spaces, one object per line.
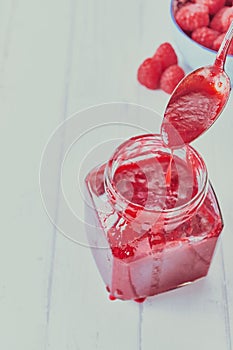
{"x":57,"y":58}
{"x":33,"y":61}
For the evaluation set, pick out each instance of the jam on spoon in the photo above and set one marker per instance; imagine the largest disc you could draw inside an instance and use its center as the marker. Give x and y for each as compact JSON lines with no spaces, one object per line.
{"x":198,"y":100}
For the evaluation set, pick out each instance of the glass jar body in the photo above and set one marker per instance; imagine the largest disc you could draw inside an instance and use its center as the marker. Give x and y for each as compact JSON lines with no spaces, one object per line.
{"x":152,"y":217}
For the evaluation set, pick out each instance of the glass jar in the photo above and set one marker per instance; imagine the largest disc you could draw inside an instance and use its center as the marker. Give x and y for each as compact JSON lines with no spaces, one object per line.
{"x":152,"y":217}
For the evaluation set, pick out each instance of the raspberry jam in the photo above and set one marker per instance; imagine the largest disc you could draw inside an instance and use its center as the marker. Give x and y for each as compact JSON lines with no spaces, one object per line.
{"x":153,"y":218}
{"x":195,"y":105}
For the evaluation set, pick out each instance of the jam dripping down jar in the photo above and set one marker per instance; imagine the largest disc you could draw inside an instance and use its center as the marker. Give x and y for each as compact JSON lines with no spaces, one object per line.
{"x":152,"y":217}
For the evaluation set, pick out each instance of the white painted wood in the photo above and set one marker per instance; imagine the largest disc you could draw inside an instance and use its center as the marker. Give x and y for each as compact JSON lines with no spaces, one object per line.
{"x":81,"y":316}
{"x":189,"y":317}
{"x":33,"y":62}
{"x":216,"y":147}
{"x":101,"y":51}
{"x":57,"y":58}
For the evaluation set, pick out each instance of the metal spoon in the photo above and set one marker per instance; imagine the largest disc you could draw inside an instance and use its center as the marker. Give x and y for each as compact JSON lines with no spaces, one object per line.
{"x":198,"y":100}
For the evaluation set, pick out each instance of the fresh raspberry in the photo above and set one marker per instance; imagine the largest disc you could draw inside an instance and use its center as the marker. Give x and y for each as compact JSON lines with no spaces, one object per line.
{"x":177,"y":4}
{"x":217,"y":43}
{"x":170,"y":78}
{"x":205,"y":36}
{"x":191,"y":16}
{"x":149,"y":73}
{"x":222,"y":19}
{"x":213,"y":5}
{"x":166,"y":55}
{"x":229,"y":3}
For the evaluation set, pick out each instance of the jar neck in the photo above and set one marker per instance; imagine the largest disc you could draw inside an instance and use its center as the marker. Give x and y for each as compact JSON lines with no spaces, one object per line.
{"x":148,"y":183}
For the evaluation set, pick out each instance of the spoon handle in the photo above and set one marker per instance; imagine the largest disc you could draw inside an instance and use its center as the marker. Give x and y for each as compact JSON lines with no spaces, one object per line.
{"x":222,"y":52}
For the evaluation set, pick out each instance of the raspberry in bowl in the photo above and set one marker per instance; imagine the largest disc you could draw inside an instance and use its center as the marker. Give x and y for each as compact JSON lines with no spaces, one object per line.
{"x":198,"y":28}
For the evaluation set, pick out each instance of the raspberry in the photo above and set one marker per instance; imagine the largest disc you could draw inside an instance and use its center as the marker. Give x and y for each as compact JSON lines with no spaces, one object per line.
{"x":177,"y":4}
{"x":217,"y":43}
{"x":170,"y":78}
{"x":222,"y":19}
{"x":205,"y":36}
{"x":149,"y":73}
{"x":213,"y":5}
{"x":166,"y":55}
{"x":192,"y":16}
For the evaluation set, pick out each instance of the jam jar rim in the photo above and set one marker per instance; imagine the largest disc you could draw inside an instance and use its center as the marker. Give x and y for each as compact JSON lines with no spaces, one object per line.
{"x":117,"y":197}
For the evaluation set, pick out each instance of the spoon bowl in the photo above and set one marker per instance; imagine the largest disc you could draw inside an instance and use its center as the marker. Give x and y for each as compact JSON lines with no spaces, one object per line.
{"x":197,"y":101}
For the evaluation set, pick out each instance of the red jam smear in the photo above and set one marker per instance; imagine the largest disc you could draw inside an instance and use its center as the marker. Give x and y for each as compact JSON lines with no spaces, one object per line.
{"x":140,"y":300}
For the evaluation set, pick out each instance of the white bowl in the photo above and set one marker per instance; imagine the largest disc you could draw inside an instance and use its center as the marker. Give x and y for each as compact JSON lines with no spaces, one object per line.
{"x":194,"y":54}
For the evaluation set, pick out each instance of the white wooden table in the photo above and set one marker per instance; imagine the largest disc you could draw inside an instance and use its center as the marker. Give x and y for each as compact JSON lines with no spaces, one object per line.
{"x":57,"y":58}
